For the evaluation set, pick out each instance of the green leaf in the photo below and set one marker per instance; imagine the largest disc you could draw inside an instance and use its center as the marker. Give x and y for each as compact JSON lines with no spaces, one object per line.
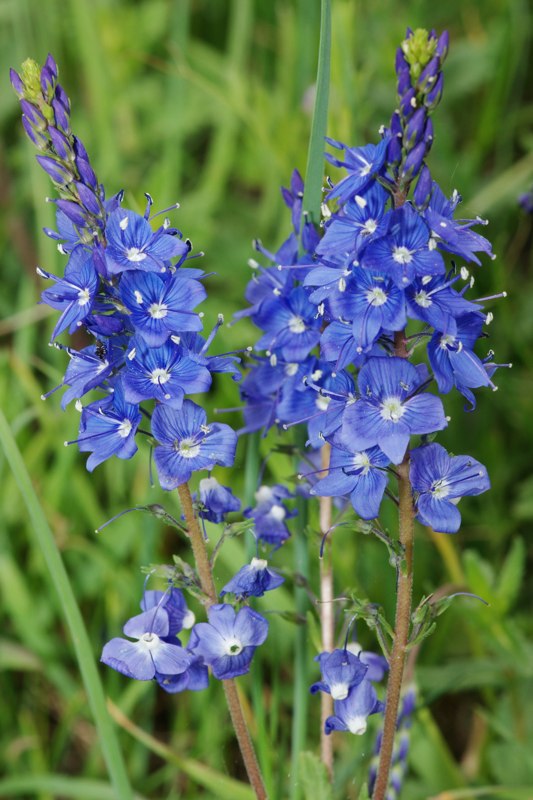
{"x":59,"y":786}
{"x":314,"y":778}
{"x":479,"y":574}
{"x":511,"y":576}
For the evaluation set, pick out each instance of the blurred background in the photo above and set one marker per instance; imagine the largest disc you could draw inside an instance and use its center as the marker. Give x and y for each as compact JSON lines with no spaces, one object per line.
{"x":208,"y":102}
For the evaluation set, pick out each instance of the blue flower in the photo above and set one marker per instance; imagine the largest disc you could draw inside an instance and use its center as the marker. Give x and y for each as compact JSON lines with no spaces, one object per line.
{"x":187,"y":444}
{"x":290,"y":324}
{"x":351,"y":713}
{"x":131,"y":244}
{"x":163,"y":373}
{"x":269,"y":514}
{"x":358,"y":224}
{"x":173,"y":601}
{"x":435,"y":302}
{"x":389,"y":409}
{"x":215,"y":501}
{"x":253,"y":580}
{"x":406,"y":251}
{"x":150,"y":654}
{"x":160,"y":307}
{"x":74,"y":294}
{"x":108,"y":428}
{"x":453,"y":360}
{"x":455,"y":236}
{"x":440,"y":481}
{"x":360,"y":475}
{"x":341,"y":672}
{"x":362,"y":164}
{"x":228,"y":641}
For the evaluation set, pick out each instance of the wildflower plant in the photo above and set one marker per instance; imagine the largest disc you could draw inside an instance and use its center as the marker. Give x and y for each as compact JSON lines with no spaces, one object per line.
{"x":368,"y":320}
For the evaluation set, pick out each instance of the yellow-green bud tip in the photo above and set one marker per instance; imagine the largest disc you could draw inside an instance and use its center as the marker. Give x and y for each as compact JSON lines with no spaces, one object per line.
{"x":418,"y":50}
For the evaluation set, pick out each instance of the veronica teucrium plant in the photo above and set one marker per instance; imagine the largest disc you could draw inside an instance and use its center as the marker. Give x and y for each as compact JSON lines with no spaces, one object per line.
{"x":368,"y":320}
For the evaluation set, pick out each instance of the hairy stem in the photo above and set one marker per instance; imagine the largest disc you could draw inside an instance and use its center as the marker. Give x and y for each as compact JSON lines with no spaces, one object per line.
{"x":403,"y":611}
{"x":230,"y":688}
{"x":327,"y":622}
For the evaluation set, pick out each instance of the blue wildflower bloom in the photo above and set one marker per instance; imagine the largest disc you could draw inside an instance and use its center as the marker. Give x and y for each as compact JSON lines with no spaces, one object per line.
{"x":228,"y":641}
{"x":440,"y":480}
{"x":196,"y":347}
{"x":150,"y":654}
{"x":389,"y":409}
{"x":215,"y":500}
{"x":453,"y":360}
{"x":338,"y":345}
{"x":270,"y":513}
{"x":253,"y":580}
{"x":187,"y":444}
{"x":341,"y":672}
{"x":362,"y":164}
{"x":108,"y":427}
{"x":74,"y":294}
{"x":436,"y":302}
{"x":377,"y":666}
{"x":163,"y":373}
{"x":351,"y":713}
{"x":407,"y":251}
{"x":89,"y":368}
{"x":173,"y":601}
{"x":372,"y":303}
{"x":160,"y":307}
{"x":132,"y":244}
{"x":290,"y":324}
{"x":455,"y":236}
{"x":360,"y":475}
{"x":360,"y":221}
{"x":194,"y":679}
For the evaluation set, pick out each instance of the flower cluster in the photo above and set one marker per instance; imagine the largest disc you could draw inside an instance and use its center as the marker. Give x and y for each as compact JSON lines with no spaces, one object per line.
{"x":349,"y":678}
{"x":131,"y":289}
{"x":338,"y":355}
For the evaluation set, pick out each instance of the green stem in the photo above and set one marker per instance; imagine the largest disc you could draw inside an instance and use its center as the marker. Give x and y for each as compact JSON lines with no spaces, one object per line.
{"x":230,"y":688}
{"x":44,"y":540}
{"x":403,"y":612}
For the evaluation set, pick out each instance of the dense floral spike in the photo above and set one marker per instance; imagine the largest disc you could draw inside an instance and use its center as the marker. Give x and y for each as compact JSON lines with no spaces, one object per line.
{"x":228,"y":641}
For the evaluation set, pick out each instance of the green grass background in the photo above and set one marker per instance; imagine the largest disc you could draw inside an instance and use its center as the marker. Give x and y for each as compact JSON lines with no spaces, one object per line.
{"x":208,"y":102}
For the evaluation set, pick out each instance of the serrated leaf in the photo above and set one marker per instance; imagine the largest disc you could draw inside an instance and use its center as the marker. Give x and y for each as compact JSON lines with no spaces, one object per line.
{"x":314,"y":778}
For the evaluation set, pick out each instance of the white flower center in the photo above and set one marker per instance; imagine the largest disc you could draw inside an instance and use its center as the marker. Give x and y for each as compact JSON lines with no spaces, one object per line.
{"x":369,"y":227}
{"x":101,"y":366}
{"x":291,"y":369}
{"x":361,"y":461}
{"x":322,"y":402}
{"x":446,"y":340}
{"x":339,"y":691}
{"x":392,"y":409}
{"x":124,"y":429}
{"x":159,"y":375}
{"x":233,"y":647}
{"x":83,"y":297}
{"x":150,"y":639}
{"x":440,"y":489}
{"x":134,"y":254}
{"x":357,"y":725}
{"x":297,"y":325}
{"x":158,"y":310}
{"x":188,"y":620}
{"x":423,"y":299}
{"x":258,"y":563}
{"x":376,"y":297}
{"x":188,"y":448}
{"x":402,"y":255}
{"x":365,"y":170}
{"x":263,"y":493}
{"x":277,"y":513}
